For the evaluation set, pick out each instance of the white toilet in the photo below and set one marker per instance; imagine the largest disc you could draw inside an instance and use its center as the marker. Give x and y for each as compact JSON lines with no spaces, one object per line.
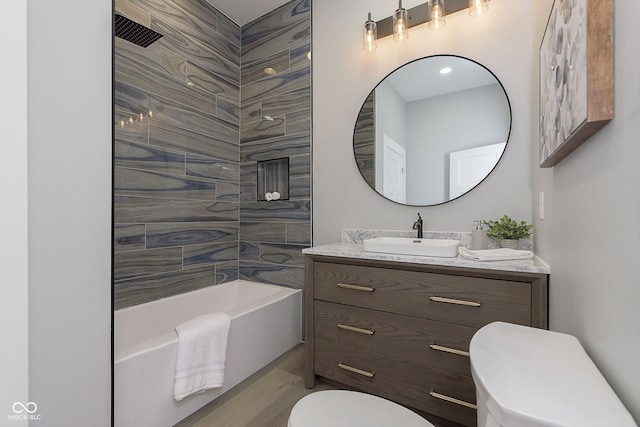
{"x":537,"y":378}
{"x":342,"y":408}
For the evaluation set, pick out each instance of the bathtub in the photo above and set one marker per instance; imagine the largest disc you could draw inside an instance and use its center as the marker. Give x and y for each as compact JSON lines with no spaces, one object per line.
{"x":266,"y":321}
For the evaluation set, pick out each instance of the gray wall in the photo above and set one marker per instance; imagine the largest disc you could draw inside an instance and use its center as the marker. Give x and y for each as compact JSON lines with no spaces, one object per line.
{"x":69,"y":112}
{"x":343,"y":77}
{"x":272,"y":234}
{"x":590,"y":233}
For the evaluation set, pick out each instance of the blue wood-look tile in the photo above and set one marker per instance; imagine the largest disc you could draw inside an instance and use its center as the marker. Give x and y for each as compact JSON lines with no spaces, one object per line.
{"x":227,"y":191}
{"x":282,"y":254}
{"x":149,"y":210}
{"x":300,"y":165}
{"x":249,"y":251}
{"x":275,"y":148}
{"x":229,"y":29}
{"x":182,"y":138}
{"x":153,"y":56}
{"x":210,"y":254}
{"x":190,"y":233}
{"x":228,"y":110}
{"x":216,"y":77}
{"x":133,"y":182}
{"x":285,"y":103}
{"x":196,"y":50}
{"x":300,"y":187}
{"x":226,"y":272}
{"x":151,"y":81}
{"x":295,"y":79}
{"x":299,"y":55}
{"x":248,"y":192}
{"x":299,"y":232}
{"x":197,"y":17}
{"x":251,"y":111}
{"x":207,"y":167}
{"x":287,"y":15}
{"x":255,"y":70}
{"x":145,"y":262}
{"x":275,"y":232}
{"x":262,"y":129}
{"x":282,"y":210}
{"x":298,"y":122}
{"x":291,"y":37}
{"x":128,"y":237}
{"x":150,"y":288}
{"x":273,"y":274}
{"x":149,"y":158}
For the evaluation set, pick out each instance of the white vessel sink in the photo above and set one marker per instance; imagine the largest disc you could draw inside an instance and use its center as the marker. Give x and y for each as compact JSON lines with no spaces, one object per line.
{"x":408,"y":246}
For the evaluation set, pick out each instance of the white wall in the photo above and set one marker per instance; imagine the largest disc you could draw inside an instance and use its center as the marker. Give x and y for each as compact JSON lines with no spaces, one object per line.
{"x":343,"y":75}
{"x":14,"y":274}
{"x":389,"y":120}
{"x":590,"y":233}
{"x":70,"y":139}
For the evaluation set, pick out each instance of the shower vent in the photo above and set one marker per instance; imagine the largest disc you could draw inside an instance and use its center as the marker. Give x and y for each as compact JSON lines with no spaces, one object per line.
{"x":135,"y":33}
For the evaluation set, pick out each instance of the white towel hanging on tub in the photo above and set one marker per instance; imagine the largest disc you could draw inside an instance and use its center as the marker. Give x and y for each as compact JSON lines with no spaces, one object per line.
{"x":202,"y":352}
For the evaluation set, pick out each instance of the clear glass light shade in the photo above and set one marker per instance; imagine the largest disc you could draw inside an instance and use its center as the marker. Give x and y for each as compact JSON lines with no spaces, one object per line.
{"x":370,"y":35}
{"x":478,"y":7}
{"x":436,"y":12}
{"x":400,"y":24}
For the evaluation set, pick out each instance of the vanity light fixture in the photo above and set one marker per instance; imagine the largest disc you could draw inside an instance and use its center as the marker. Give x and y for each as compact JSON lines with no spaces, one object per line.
{"x":431,"y":12}
{"x":478,"y":7}
{"x":436,"y":13}
{"x":400,"y":23}
{"x":370,"y":35}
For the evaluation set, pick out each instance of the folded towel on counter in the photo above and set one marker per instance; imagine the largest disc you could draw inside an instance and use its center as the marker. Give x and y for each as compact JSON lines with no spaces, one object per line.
{"x":202,"y":352}
{"x":502,"y":254}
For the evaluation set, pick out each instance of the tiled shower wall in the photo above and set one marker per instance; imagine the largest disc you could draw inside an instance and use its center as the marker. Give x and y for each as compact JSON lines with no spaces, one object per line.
{"x":276,"y":123}
{"x":178,"y":211}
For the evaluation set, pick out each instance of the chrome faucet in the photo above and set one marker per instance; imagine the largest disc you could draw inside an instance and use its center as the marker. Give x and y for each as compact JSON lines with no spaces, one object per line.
{"x":418,"y":226}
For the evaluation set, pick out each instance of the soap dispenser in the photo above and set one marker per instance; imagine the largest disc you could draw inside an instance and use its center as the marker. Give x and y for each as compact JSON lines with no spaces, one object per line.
{"x":479,"y":239}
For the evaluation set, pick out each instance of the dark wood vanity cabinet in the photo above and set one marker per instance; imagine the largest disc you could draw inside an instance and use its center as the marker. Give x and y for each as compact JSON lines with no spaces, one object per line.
{"x":402,"y":331}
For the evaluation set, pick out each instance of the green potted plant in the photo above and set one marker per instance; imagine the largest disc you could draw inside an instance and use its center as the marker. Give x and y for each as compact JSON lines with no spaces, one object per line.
{"x":507,"y":231}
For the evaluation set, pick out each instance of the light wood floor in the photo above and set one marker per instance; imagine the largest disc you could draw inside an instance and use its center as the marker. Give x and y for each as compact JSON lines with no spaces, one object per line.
{"x":266,"y":398}
{"x":263,"y":400}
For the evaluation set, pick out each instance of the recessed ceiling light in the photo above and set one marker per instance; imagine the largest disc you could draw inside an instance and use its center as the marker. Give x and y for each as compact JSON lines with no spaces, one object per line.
{"x":445,"y":70}
{"x":270,"y":71}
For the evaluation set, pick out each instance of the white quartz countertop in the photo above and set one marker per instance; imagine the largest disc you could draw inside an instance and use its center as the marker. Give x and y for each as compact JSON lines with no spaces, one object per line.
{"x":355,"y":250}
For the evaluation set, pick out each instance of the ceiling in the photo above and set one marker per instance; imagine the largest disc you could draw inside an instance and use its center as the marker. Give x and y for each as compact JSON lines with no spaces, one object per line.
{"x":245,"y":11}
{"x":422,"y":79}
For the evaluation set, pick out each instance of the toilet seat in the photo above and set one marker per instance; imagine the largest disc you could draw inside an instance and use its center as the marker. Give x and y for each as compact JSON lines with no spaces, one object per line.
{"x":342,"y":408}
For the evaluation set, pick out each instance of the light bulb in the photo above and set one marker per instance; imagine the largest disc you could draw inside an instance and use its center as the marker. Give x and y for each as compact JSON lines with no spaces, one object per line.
{"x":478,"y":7}
{"x":400,"y":24}
{"x":370,"y":35}
{"x":436,"y":14}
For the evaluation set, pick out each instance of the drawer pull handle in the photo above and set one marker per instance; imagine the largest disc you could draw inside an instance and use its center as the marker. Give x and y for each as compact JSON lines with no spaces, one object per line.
{"x":453,"y":400}
{"x":355,"y":287}
{"x":448,"y":350}
{"x":455,"y":301}
{"x":354,"y":329}
{"x":356,"y":370}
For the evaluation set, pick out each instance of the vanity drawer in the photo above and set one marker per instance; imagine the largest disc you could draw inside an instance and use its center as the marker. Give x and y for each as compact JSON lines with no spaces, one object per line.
{"x":463,"y":300}
{"x":414,"y":385}
{"x":439,"y":345}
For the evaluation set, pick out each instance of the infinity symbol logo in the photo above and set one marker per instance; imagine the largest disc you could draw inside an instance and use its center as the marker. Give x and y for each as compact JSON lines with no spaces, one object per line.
{"x":30,"y":407}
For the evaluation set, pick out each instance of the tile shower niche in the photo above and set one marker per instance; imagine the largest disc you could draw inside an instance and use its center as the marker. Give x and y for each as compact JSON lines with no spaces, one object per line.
{"x":273,"y":180}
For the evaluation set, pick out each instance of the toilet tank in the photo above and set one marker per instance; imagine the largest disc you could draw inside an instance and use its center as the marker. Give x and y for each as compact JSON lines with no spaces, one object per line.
{"x":537,"y":378}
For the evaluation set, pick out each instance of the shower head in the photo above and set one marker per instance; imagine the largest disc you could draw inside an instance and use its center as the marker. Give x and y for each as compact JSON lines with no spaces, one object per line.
{"x":133,"y":32}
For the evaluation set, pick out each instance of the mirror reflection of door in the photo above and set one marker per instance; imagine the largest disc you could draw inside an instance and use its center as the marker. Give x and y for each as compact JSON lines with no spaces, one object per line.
{"x":468,"y":167}
{"x":394,"y":177}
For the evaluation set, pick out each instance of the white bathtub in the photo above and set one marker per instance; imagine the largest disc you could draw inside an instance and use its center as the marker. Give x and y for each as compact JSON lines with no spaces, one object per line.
{"x":266,"y":321}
